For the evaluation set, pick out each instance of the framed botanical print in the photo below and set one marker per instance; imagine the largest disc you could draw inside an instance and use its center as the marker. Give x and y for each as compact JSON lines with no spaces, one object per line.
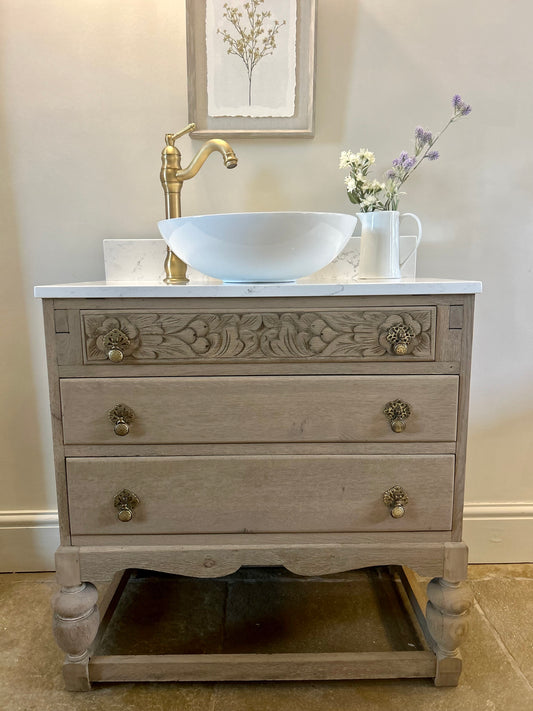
{"x":251,"y":67}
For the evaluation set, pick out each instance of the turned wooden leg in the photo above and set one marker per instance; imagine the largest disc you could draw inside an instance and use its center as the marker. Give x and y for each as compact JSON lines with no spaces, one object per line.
{"x":76,"y":620}
{"x":447,"y":619}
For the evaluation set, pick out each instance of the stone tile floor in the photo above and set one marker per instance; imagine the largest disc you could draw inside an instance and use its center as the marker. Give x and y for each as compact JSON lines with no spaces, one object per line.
{"x":497,"y":673}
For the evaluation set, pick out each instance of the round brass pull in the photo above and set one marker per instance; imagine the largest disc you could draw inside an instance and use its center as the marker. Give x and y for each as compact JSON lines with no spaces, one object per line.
{"x":400,"y":337}
{"x":397,"y":413}
{"x":125,"y":501}
{"x":121,"y":416}
{"x":396,"y":499}
{"x":115,"y":342}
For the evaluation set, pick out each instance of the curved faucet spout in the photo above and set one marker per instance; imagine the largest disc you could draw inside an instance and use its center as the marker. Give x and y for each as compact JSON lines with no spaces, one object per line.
{"x":172,"y":178}
{"x":215,"y":144}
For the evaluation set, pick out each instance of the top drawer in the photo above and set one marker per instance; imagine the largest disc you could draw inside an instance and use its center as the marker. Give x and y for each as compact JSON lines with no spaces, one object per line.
{"x":356,"y":334}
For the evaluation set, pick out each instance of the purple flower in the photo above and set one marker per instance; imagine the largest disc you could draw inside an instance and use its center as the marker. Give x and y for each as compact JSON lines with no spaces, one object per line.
{"x":403,"y":163}
{"x":460,"y":107}
{"x":373,"y":195}
{"x":422,"y":136}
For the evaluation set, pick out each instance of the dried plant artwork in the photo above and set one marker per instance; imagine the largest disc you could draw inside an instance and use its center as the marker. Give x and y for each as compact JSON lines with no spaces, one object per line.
{"x":251,"y":57}
{"x":251,"y":39}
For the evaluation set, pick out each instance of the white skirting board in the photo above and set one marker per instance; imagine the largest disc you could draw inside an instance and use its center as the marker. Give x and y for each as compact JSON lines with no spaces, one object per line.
{"x":28,"y":541}
{"x":499,"y":533}
{"x":495,"y":533}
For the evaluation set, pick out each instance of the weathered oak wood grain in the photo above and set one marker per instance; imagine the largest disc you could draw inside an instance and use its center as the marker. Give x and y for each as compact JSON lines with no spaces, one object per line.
{"x":248,"y":667}
{"x":260,"y":409}
{"x":259,"y":439}
{"x":259,"y":494}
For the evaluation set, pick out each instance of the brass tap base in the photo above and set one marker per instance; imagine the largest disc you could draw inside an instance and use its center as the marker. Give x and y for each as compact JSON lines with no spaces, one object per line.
{"x":171,"y":280}
{"x":175,"y":269}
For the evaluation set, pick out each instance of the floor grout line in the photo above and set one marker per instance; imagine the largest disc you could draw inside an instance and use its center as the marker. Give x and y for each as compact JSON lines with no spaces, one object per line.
{"x":507,"y":653}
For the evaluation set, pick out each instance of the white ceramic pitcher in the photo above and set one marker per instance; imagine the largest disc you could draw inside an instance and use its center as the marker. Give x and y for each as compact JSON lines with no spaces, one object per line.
{"x":380,"y":244}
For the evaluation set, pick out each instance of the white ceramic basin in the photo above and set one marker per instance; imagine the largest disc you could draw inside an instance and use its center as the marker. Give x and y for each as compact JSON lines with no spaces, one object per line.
{"x":258,"y":247}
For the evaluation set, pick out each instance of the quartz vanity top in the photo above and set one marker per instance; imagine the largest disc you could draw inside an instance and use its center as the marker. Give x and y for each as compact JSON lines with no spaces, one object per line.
{"x":302,"y":287}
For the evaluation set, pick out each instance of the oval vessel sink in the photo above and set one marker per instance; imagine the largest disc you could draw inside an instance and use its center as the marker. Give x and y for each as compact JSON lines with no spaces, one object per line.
{"x":260,"y":246}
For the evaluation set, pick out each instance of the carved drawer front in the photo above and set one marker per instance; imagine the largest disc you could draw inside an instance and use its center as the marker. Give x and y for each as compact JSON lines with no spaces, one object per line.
{"x":259,"y":409}
{"x":257,"y":494}
{"x":382,"y":334}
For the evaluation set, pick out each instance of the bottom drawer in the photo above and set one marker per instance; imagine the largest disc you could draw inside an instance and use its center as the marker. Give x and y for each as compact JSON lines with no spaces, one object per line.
{"x":258,"y":494}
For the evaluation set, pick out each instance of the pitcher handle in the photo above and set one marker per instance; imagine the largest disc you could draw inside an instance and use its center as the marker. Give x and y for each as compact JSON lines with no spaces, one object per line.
{"x":419,"y":237}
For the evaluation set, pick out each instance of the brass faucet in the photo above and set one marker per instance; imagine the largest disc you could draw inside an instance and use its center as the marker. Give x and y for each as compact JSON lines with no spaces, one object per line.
{"x":172,"y":177}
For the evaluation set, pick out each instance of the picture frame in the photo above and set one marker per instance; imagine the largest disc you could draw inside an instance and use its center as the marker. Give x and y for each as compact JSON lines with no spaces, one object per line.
{"x":285,"y":81}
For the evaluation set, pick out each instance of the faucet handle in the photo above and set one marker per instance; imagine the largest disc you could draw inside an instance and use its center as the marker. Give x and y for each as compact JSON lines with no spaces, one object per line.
{"x":171,"y":137}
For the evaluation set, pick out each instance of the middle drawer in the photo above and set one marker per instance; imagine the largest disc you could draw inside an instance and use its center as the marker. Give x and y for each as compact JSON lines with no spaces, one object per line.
{"x":337,"y":408}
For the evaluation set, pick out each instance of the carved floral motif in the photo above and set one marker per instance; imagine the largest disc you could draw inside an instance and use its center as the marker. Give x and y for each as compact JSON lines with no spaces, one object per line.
{"x":285,"y":335}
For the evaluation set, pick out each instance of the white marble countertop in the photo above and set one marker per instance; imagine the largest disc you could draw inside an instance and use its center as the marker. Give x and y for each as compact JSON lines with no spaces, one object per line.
{"x":384,"y":287}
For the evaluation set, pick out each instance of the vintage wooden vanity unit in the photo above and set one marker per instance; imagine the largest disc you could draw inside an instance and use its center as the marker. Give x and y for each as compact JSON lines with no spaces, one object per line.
{"x":199,"y":429}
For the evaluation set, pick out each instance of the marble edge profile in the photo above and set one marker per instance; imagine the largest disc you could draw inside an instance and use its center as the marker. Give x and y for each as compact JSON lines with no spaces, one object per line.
{"x":300,"y":288}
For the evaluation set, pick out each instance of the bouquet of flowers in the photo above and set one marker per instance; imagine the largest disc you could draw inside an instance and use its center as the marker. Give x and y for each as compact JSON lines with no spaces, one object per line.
{"x":373,"y":195}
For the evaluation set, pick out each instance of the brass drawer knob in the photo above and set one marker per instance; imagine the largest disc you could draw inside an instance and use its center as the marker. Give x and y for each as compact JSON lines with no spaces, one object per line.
{"x":396,"y":499}
{"x":121,"y":416}
{"x":399,"y":337}
{"x":115,"y":342}
{"x":397,"y":412}
{"x":125,"y":501}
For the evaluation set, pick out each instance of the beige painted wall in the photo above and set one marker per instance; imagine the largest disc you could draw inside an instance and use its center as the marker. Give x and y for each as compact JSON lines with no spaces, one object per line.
{"x":88,"y":89}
